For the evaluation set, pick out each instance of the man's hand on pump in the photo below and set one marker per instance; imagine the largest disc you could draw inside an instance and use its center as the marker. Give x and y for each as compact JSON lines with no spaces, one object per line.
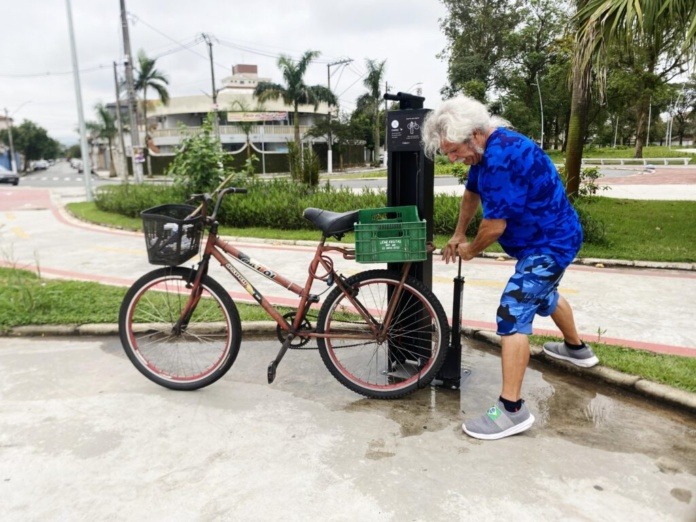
{"x":449,"y":253}
{"x":465,"y":252}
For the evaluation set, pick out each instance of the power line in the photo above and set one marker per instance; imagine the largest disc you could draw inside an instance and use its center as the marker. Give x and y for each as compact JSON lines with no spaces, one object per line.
{"x":49,"y":73}
{"x":136,"y":18}
{"x":172,"y":50}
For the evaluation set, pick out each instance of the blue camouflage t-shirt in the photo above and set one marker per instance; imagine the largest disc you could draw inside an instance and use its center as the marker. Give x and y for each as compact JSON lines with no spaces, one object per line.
{"x":518,"y":182}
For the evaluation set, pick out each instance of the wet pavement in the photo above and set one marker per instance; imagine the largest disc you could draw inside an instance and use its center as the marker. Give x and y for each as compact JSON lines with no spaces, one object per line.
{"x":83,"y":435}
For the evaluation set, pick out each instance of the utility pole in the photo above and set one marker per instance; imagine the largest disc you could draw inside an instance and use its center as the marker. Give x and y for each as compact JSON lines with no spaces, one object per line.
{"x":13,"y":164}
{"x":216,"y":124}
{"x":86,"y":163}
{"x":124,"y":164}
{"x":132,"y":102}
{"x":329,"y":153}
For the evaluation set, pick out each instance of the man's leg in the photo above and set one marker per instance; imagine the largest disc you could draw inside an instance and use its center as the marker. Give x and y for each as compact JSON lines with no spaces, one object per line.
{"x":515,"y":357}
{"x":572,"y":349}
{"x":563,"y":317}
{"x":518,"y":304}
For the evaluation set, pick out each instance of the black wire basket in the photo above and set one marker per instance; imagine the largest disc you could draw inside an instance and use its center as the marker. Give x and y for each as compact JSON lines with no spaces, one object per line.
{"x":171,"y":236}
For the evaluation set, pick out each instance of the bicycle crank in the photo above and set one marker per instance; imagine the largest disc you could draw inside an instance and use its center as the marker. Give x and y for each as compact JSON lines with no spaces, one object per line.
{"x":299,"y":340}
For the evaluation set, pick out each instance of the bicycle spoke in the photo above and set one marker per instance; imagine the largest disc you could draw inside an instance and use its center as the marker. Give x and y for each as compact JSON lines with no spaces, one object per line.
{"x":406,"y":352}
{"x":194,"y":353}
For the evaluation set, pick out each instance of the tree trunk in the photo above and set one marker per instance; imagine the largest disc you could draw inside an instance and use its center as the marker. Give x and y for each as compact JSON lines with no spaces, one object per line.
{"x":642,"y":127}
{"x":576,"y":129}
{"x":296,"y":122}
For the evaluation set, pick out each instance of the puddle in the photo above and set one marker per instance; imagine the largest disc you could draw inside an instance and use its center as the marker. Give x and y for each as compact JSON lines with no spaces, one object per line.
{"x":566,"y":406}
{"x":587,"y":412}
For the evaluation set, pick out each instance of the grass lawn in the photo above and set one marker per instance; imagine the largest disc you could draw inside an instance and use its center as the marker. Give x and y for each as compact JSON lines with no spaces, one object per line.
{"x":644,"y":230}
{"x":27,"y":299}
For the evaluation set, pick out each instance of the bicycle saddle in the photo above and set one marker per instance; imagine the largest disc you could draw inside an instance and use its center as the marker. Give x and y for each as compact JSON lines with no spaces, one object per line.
{"x":331,"y":223}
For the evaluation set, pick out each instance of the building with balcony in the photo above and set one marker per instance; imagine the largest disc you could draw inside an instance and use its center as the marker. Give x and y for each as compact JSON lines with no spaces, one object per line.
{"x":246,"y":126}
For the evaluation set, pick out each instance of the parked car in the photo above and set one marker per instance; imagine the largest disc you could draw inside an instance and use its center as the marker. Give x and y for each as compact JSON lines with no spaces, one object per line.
{"x":7,"y":176}
{"x":41,"y":164}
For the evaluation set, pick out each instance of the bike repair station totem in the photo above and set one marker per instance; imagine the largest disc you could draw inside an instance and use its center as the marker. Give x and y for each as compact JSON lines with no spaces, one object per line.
{"x":411,"y":181}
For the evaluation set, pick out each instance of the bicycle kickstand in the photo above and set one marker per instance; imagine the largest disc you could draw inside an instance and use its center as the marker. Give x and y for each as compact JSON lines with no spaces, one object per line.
{"x":274,"y":364}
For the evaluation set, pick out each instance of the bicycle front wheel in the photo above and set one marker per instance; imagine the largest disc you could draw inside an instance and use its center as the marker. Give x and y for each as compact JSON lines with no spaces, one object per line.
{"x":187,"y":358}
{"x":408,"y":353}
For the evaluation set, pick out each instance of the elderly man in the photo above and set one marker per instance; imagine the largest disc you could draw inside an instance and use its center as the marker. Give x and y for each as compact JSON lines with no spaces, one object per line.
{"x":526,"y":210}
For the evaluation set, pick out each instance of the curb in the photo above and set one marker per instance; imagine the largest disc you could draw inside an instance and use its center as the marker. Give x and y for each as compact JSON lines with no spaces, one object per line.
{"x":633,"y":383}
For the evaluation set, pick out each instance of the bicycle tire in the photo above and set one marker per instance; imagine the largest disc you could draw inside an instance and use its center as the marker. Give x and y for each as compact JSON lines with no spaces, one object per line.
{"x":415,"y":346}
{"x":207,"y":346}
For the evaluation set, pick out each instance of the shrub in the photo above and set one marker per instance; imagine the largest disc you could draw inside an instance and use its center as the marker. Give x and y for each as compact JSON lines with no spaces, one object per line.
{"x":459,"y":170}
{"x":279,"y":204}
{"x":594,"y":230}
{"x":588,"y":180}
{"x":130,"y":200}
{"x":304,"y":164}
{"x":198,"y":166}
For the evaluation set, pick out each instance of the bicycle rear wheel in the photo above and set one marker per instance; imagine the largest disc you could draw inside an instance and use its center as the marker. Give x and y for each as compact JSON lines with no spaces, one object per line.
{"x":204,"y":349}
{"x":412,"y":350}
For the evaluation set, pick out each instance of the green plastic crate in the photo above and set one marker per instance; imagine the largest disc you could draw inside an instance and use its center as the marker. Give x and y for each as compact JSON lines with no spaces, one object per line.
{"x":389,"y":235}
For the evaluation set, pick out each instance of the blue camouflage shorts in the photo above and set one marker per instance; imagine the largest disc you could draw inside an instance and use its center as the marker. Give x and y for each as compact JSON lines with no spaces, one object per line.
{"x":532,"y":290}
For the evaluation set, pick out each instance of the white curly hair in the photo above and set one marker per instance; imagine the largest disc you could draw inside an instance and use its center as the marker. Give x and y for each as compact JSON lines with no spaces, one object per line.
{"x":455,"y":121}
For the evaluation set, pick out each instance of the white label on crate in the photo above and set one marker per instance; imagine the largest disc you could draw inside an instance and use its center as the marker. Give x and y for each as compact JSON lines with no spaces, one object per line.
{"x":391,"y":244}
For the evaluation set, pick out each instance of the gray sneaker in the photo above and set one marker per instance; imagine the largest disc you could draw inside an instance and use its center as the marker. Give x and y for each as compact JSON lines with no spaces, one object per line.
{"x":497,"y":423}
{"x":583,"y":357}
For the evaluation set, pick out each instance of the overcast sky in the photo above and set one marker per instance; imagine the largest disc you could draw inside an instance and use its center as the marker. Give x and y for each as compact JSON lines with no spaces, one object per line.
{"x":36,"y":81}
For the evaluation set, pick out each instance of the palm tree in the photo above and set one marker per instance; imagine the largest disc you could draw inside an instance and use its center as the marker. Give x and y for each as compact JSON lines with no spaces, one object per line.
{"x":372,"y":99}
{"x":295,"y":92}
{"x":105,"y":128}
{"x":147,"y":76}
{"x":600,"y":23}
{"x":239,"y":105}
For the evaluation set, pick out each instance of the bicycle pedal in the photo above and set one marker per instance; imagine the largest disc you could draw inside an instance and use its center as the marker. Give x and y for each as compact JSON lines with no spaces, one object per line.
{"x":272,"y":372}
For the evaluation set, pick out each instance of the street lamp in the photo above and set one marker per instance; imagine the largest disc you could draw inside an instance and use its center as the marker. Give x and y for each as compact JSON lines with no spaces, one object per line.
{"x":419,"y":90}
{"x":541,"y":107}
{"x":329,"y":151}
{"x":86,"y":163}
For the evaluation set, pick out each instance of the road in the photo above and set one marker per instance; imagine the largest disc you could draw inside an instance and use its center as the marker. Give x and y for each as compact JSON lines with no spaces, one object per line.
{"x":61,"y":175}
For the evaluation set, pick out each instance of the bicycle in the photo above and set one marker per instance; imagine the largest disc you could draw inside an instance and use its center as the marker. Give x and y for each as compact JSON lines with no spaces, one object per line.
{"x":380,"y":333}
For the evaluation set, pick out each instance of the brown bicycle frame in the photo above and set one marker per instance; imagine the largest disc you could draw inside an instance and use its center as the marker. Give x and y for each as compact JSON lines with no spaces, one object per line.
{"x":215,"y":247}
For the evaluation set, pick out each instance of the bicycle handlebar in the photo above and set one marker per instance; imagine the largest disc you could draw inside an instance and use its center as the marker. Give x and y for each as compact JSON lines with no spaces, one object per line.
{"x":208,"y":200}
